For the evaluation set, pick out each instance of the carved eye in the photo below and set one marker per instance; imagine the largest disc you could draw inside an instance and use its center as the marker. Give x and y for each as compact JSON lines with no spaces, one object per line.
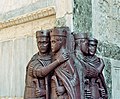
{"x":53,"y":42}
{"x":39,"y":42}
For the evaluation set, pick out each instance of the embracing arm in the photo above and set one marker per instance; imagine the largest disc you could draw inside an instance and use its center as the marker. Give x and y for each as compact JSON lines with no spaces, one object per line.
{"x":43,"y":71}
{"x":39,"y":71}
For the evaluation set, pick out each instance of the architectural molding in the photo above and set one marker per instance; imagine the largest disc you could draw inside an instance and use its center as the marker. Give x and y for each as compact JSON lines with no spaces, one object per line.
{"x":28,"y":17}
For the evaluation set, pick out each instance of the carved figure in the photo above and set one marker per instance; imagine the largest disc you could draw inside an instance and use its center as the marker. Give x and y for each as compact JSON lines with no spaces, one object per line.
{"x":80,"y":51}
{"x":83,"y":68}
{"x":95,"y":84}
{"x":53,"y":73}
{"x":65,"y":81}
{"x":39,"y":69}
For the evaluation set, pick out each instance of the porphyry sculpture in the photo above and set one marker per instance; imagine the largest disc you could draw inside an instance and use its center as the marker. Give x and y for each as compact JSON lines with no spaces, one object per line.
{"x":95,"y":83}
{"x":40,"y":68}
{"x":56,"y":73}
{"x":89,"y":67}
{"x":65,"y":81}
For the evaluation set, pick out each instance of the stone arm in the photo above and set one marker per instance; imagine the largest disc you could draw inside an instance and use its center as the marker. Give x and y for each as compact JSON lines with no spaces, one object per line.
{"x":70,"y":64}
{"x":89,"y":71}
{"x":43,"y":71}
{"x":36,"y":69}
{"x":101,"y":67}
{"x":103,"y":82}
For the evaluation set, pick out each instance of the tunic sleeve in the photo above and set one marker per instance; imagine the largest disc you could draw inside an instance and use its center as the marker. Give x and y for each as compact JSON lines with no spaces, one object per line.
{"x":35,"y":69}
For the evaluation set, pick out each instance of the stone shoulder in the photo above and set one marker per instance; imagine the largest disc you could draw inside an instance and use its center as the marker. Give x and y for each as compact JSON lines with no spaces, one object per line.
{"x":34,"y":57}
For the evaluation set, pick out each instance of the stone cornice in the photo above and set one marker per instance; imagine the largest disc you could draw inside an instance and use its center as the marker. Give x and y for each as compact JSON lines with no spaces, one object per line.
{"x":28,"y":17}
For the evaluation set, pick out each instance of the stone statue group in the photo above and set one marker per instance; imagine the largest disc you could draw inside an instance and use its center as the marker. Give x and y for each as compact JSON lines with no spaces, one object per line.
{"x":56,"y":72}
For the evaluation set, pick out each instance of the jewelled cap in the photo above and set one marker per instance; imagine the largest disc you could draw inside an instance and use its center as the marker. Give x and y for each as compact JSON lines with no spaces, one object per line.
{"x":80,"y":36}
{"x":59,"y":31}
{"x":93,"y":41}
{"x":43,"y":33}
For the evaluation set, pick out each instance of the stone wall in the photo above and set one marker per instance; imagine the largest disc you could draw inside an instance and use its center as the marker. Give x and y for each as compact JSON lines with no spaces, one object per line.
{"x":16,"y":8}
{"x":82,"y":15}
{"x":17,"y":45}
{"x":106,"y":28}
{"x":102,"y":19}
{"x":18,"y":42}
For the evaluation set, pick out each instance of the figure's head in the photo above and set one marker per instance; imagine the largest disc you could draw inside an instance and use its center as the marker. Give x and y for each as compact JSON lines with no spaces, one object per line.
{"x":92,"y":46}
{"x":81,"y":42}
{"x":43,"y":41}
{"x":58,"y":38}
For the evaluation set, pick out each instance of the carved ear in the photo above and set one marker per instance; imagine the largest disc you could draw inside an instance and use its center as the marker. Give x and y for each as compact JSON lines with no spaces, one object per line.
{"x":61,"y":40}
